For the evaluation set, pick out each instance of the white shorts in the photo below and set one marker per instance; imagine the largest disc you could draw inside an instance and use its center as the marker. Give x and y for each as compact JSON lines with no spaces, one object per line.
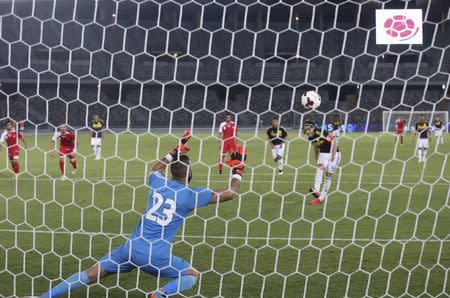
{"x":438,"y":133}
{"x":278,"y":150}
{"x":422,"y":143}
{"x":96,"y":141}
{"x":324,"y":159}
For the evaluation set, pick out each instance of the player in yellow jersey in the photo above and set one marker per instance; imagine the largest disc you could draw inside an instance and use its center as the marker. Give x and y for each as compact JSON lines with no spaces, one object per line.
{"x":424,"y":138}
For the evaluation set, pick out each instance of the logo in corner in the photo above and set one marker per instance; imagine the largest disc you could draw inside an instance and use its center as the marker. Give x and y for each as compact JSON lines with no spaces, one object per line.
{"x":400,"y":27}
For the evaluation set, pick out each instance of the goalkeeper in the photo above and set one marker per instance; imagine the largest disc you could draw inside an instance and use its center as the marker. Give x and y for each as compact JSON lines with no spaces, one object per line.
{"x":149,"y":247}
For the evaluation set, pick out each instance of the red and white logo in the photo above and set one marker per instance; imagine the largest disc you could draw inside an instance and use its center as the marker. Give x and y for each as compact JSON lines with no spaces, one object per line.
{"x":399,"y":26}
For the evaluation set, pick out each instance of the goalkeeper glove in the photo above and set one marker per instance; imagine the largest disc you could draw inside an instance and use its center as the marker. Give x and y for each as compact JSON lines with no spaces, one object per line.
{"x":181,"y":147}
{"x":238,"y":155}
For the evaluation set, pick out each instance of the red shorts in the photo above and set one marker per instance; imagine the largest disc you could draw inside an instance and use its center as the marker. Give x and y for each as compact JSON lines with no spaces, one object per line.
{"x":400,"y":132}
{"x":13,"y":153}
{"x":66,"y":151}
{"x":227,"y":145}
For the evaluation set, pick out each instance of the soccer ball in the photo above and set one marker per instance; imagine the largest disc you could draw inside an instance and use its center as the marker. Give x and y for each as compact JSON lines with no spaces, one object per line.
{"x":311,"y":100}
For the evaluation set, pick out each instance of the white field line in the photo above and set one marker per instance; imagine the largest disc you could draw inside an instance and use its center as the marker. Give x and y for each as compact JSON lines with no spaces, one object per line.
{"x":207,"y":237}
{"x":274,"y":174}
{"x":100,"y":179}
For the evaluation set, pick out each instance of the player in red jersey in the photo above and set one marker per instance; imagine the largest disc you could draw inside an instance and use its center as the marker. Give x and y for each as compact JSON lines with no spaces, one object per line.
{"x":228,"y":131}
{"x":400,"y":128}
{"x":12,"y":137}
{"x":67,"y":148}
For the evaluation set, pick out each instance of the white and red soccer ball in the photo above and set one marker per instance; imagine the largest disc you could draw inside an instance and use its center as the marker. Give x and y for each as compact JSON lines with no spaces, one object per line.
{"x":400,"y":27}
{"x":311,"y":100}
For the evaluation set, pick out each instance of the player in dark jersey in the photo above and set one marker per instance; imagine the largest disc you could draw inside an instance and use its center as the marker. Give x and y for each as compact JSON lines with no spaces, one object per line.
{"x":327,"y":157}
{"x":97,"y":126}
{"x":336,"y":125}
{"x":438,"y":129}
{"x":276,"y":135}
{"x":424,"y":137}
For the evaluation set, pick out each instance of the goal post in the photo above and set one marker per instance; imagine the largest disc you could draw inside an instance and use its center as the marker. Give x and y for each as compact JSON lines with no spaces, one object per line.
{"x":411,"y":118}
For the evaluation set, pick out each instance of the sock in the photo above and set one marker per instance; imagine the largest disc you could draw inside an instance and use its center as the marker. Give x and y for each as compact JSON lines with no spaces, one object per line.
{"x":94,"y":148}
{"x":318,"y":180}
{"x":325,"y":188}
{"x":424,"y":154}
{"x":74,"y":163}
{"x":280,"y":164}
{"x":220,"y":167}
{"x":72,"y":283}
{"x":98,"y":151}
{"x":401,"y":139}
{"x":15,"y":167}
{"x":61,"y":166}
{"x":180,"y":284}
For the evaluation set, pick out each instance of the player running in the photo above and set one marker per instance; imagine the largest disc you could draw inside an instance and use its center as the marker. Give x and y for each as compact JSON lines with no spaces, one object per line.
{"x":276,"y":135}
{"x":328,"y":157}
{"x":228,"y":131}
{"x":400,"y":128}
{"x":149,"y":248}
{"x":438,"y":129}
{"x":12,"y":137}
{"x":97,"y":126}
{"x":422,"y":129}
{"x":67,"y":148}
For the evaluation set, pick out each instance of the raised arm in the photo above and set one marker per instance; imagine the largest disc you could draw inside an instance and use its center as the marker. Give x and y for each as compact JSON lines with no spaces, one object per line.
{"x":180,"y":148}
{"x":236,"y":162}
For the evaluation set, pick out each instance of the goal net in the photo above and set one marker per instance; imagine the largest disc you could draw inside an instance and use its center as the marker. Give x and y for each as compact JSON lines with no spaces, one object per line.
{"x":150,"y":69}
{"x":411,"y":118}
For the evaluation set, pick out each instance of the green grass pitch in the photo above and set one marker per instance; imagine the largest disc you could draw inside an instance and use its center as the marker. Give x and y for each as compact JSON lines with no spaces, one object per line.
{"x":383,"y":231}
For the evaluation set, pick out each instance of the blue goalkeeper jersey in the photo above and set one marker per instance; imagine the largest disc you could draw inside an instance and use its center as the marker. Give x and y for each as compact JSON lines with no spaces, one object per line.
{"x":169,"y":203}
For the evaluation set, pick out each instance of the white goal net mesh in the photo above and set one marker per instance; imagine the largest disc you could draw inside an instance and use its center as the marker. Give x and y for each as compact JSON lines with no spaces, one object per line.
{"x":150,"y":69}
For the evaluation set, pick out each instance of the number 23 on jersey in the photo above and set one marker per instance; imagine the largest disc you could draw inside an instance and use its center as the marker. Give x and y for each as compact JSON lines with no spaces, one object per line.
{"x":158,"y":201}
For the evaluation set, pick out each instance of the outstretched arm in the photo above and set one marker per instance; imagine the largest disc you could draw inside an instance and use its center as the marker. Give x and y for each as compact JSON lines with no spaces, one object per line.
{"x":227,"y":194}
{"x":160,"y":166}
{"x":236,"y":162}
{"x":181,"y":148}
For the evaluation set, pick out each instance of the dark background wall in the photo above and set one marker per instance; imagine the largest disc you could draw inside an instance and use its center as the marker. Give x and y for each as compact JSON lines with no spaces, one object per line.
{"x":143,"y":64}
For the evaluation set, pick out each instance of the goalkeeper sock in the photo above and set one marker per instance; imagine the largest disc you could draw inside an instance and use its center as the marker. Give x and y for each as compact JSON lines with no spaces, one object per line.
{"x":98,"y":151}
{"x":94,"y":148}
{"x":318,"y":181}
{"x":424,"y":154}
{"x":72,"y":283}
{"x":181,"y":284}
{"x":61,"y":166}
{"x":220,"y":167}
{"x":419,"y":154}
{"x":280,"y":164}
{"x":325,"y":188}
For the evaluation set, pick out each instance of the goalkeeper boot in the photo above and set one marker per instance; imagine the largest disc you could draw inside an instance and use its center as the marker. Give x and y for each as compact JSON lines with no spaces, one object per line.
{"x":280,"y":172}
